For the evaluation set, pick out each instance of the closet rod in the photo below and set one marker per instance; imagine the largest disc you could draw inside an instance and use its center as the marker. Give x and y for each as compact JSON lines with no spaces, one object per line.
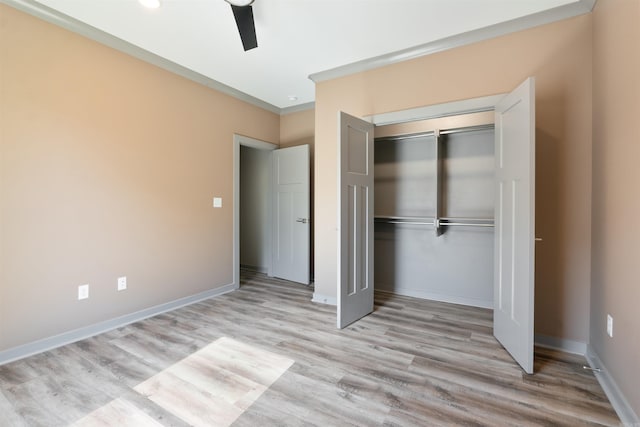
{"x":405,"y":220}
{"x":465,"y":224}
{"x":403,"y":137}
{"x":433,"y":132}
{"x":467,"y":129}
{"x":465,"y":219}
{"x":393,"y":221}
{"x":442,"y":222}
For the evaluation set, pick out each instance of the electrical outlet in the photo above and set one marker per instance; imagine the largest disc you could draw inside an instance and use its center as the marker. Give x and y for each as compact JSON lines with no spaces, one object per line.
{"x":217,"y":202}
{"x":609,"y":325}
{"x":83,"y":292}
{"x":122,"y":283}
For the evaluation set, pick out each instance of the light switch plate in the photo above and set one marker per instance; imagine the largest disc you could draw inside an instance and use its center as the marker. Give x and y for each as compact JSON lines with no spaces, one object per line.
{"x":83,"y":292}
{"x":217,"y":202}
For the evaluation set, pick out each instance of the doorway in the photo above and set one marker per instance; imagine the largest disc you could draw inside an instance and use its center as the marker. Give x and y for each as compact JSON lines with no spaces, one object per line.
{"x":271,"y":217}
{"x":257,"y":151}
{"x":255,"y":207}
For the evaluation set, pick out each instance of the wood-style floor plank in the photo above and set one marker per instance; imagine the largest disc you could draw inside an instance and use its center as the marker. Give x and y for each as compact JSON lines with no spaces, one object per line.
{"x":265,"y":355}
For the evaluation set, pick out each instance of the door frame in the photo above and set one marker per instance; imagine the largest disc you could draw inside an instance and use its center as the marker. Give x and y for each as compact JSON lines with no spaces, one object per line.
{"x":474,"y":105}
{"x":465,"y":106}
{"x":455,"y":108}
{"x":246,"y":141}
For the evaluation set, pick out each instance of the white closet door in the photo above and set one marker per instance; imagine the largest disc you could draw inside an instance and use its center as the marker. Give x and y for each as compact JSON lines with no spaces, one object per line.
{"x":291,"y":225}
{"x":515,"y":223}
{"x":355,"y":210}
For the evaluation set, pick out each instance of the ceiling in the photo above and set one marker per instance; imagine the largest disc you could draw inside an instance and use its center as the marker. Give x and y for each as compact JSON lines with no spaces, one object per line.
{"x":296,"y":38}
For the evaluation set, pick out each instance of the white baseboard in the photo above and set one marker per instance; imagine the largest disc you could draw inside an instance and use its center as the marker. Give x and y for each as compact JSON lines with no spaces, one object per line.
{"x":618,"y":401}
{"x":568,"y":346}
{"x":451,"y":299}
{"x":65,"y":338}
{"x":323,"y":299}
{"x":624,"y":410}
{"x":257,"y":269}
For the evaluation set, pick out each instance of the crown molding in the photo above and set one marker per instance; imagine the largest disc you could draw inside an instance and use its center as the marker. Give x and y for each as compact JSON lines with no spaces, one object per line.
{"x":297,"y":108}
{"x":60,"y":19}
{"x":57,"y":18}
{"x":571,"y":10}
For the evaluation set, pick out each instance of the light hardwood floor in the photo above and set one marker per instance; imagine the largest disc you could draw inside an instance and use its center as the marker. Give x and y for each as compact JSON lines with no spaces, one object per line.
{"x":266,"y":356}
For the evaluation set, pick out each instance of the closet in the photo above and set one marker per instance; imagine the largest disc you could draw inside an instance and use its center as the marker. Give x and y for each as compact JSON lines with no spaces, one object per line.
{"x":441,"y":198}
{"x":434,"y":209}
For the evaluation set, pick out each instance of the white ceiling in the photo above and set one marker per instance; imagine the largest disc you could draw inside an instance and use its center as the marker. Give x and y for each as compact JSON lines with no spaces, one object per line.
{"x":296,"y":38}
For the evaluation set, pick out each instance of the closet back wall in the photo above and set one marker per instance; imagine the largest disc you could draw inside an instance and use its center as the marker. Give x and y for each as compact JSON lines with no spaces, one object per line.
{"x":456,"y":264}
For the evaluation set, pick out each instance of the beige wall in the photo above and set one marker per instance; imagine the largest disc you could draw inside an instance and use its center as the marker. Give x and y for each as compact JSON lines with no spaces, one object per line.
{"x":297,"y":128}
{"x":108,"y":166}
{"x":559,"y":56}
{"x":615,"y":285}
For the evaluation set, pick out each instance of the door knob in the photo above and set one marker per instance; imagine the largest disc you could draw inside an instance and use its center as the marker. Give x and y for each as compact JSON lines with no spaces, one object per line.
{"x":302,"y":220}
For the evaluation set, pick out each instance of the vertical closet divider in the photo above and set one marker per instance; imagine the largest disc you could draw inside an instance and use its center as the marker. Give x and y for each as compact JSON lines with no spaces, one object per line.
{"x":438,"y":177}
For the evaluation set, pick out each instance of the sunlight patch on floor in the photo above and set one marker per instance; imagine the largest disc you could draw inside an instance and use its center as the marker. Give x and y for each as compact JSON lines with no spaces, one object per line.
{"x":213,"y":386}
{"x":118,"y":412}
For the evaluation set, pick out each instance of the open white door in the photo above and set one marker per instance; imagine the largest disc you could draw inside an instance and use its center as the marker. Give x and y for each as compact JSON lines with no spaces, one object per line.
{"x":355,"y":220}
{"x":515,"y":223}
{"x":291,"y":221}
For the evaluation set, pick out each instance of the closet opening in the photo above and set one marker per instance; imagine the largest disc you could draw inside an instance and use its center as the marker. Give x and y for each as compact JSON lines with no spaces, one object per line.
{"x":434,"y":209}
{"x":455,"y":207}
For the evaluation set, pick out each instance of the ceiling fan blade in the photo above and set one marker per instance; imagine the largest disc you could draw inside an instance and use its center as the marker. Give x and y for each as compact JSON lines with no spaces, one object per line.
{"x":246,"y":26}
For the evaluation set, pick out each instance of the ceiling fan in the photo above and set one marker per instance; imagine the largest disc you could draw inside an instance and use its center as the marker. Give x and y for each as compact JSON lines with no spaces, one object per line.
{"x":243,"y":13}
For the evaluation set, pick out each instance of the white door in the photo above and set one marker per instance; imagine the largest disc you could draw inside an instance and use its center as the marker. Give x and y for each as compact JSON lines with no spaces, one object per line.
{"x":355,"y":220}
{"x":291,"y":220}
{"x":515,"y":223}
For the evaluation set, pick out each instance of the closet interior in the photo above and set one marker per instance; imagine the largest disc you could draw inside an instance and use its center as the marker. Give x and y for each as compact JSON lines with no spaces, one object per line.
{"x":434,"y":209}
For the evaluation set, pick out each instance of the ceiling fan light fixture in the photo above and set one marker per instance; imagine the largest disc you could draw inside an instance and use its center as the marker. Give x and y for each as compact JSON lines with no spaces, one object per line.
{"x":240,"y":3}
{"x":150,"y":4}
